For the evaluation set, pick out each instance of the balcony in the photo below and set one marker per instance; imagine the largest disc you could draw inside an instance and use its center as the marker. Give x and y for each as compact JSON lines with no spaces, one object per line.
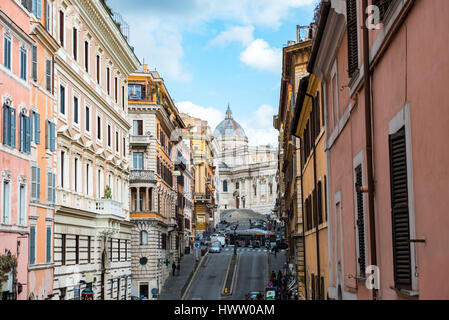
{"x":202,"y":197}
{"x":142,"y":176}
{"x":139,"y":140}
{"x":109,"y":207}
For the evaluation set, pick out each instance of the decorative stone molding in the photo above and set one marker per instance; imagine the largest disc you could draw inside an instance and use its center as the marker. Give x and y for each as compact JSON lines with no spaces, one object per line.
{"x":6,"y":175}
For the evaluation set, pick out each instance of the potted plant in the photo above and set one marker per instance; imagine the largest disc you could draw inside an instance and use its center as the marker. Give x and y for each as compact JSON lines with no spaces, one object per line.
{"x":108,"y":192}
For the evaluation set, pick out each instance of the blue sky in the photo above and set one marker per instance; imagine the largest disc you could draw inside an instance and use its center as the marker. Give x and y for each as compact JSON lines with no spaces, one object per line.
{"x":211,"y":52}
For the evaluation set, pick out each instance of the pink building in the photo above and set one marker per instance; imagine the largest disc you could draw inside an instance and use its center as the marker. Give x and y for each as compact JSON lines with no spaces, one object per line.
{"x":15,"y":149}
{"x":386,"y":202}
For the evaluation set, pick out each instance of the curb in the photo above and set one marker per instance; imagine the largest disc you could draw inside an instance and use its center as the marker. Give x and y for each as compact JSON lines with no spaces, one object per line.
{"x":234,"y":276}
{"x":192,"y":277}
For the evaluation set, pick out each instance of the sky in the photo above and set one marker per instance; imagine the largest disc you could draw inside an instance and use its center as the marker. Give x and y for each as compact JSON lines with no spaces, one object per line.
{"x":214,"y":52}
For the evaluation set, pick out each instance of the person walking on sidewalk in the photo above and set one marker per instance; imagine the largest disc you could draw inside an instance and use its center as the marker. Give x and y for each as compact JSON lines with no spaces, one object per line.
{"x":173,"y":267}
{"x":178,"y":267}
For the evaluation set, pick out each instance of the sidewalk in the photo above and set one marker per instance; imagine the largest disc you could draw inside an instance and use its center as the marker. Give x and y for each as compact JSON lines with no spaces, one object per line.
{"x":277,"y":263}
{"x":175,"y":285}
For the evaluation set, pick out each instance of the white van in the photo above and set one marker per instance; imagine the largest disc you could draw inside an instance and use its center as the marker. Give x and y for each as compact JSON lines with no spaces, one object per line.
{"x":218,"y":237}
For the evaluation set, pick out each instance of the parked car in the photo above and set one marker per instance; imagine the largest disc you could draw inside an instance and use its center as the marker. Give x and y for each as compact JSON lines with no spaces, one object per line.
{"x":254,"y":295}
{"x":218,"y":237}
{"x":215,"y":247}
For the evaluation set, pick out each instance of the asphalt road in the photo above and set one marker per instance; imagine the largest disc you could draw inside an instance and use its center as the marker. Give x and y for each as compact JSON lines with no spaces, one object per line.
{"x":251,"y":275}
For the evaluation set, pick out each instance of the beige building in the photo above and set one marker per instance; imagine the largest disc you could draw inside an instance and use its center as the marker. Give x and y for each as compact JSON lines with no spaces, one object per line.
{"x":92,"y":229}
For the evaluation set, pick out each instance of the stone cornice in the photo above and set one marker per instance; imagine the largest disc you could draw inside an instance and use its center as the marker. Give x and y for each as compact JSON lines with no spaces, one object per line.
{"x":45,"y":38}
{"x":95,"y":15}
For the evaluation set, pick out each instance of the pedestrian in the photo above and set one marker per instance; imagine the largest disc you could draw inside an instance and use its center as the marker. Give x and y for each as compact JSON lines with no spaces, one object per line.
{"x":279,"y":276}
{"x":173,"y":267}
{"x":275,"y":250}
{"x":273,"y":276}
{"x":178,"y":267}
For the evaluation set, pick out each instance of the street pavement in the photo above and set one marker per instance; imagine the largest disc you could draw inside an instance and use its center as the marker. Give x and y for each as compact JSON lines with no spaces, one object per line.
{"x":174,"y":284}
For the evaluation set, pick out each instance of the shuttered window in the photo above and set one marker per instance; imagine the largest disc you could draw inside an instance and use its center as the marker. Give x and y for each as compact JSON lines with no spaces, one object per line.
{"x":63,"y":249}
{"x":353,"y":56}
{"x":320,"y":202}
{"x":51,"y":136}
{"x":51,"y":187}
{"x":34,"y":63}
{"x":48,"y":72}
{"x":7,"y":52}
{"x":49,"y":244}
{"x":361,"y":259}
{"x":37,"y":8}
{"x":36,"y":127}
{"x":35,"y":183}
{"x":9,"y":126}
{"x":25,"y":133}
{"x":32,"y":253}
{"x":400,"y":210}
{"x":23,"y":64}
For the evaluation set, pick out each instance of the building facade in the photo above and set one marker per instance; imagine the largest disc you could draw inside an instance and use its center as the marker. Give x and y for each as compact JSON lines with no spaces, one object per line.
{"x":156,"y":129}
{"x":246,"y":173}
{"x":205,"y":205}
{"x":386,"y":153}
{"x":15,"y":150}
{"x":92,"y":236}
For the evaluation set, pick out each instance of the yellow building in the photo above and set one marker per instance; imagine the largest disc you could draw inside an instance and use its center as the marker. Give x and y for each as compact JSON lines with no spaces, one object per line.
{"x":308,"y":125}
{"x":205,"y":205}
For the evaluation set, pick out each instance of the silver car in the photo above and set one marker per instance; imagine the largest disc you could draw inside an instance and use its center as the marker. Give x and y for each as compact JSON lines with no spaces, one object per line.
{"x":215,"y":247}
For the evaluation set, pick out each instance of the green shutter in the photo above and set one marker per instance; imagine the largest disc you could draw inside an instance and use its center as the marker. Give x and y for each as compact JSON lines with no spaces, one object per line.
{"x":48,"y":244}
{"x":33,"y":182}
{"x":27,"y":121}
{"x":37,"y":128}
{"x":52,"y":136}
{"x":54,"y":187}
{"x":38,"y":184}
{"x":32,"y":244}
{"x":13,"y":127}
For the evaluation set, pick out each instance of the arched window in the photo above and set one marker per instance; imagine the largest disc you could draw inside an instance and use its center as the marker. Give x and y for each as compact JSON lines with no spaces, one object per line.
{"x":271,"y":188}
{"x":225,"y":186}
{"x":237,"y":186}
{"x":143,"y":237}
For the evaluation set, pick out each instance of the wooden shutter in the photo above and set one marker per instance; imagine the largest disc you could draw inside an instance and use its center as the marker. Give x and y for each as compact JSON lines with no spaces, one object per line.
{"x":54,"y":188}
{"x":38,"y":184}
{"x":13,"y":127}
{"x":320,"y":203}
{"x":361,"y":259}
{"x":32,"y":244}
{"x":48,"y":244}
{"x":27,"y":134}
{"x":48,"y":66}
{"x":33,"y":182}
{"x":37,"y":128}
{"x":400,"y":211}
{"x":49,"y":187}
{"x":353,"y":56}
{"x":34,"y":63}
{"x":52,"y":136}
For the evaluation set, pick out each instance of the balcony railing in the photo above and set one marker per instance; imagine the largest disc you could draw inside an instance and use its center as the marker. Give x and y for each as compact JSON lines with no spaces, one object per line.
{"x":140,"y":140}
{"x":109,"y":207}
{"x":202,"y":197}
{"x":142,"y":176}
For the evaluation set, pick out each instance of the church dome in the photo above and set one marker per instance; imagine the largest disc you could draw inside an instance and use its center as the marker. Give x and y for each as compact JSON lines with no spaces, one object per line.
{"x":229,"y":127}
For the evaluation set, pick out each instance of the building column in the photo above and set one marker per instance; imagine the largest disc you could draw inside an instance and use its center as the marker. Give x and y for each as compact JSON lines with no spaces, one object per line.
{"x":146,"y":200}
{"x":138,"y":199}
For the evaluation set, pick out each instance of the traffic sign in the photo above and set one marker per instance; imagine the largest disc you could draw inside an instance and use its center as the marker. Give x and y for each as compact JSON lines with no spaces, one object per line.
{"x":270,"y":295}
{"x":270,"y":284}
{"x":196,"y":244}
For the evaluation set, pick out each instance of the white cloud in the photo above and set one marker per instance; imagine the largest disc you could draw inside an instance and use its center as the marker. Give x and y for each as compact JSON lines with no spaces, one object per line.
{"x":242,"y":34}
{"x":212,"y":115}
{"x":259,"y":128}
{"x":261,"y":56}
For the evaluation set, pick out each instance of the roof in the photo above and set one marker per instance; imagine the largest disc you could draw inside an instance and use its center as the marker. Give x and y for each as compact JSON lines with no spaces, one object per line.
{"x":229,"y":127}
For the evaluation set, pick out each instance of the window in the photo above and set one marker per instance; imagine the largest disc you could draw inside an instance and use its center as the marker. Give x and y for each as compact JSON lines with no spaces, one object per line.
{"x":118,"y":249}
{"x":98,"y":69}
{"x":86,"y":55}
{"x":61,"y":28}
{"x":7,"y":52}
{"x":255,"y":190}
{"x":77,"y":249}
{"x":360,"y":223}
{"x":6,"y":198}
{"x":135,"y":92}
{"x":62,"y":100}
{"x":124,"y":147}
{"x":98,"y":127}
{"x":36,"y":127}
{"x":88,"y":249}
{"x":51,"y":187}
{"x":48,"y":77}
{"x":138,"y":160}
{"x":109,"y":135}
{"x":87,"y":119}
{"x":49,"y":244}
{"x":123,"y":97}
{"x":110,"y":249}
{"x":163,"y":241}
{"x":237,"y":186}
{"x":9,"y":126}
{"x":32,"y":253}
{"x":383,"y":6}
{"x":35,"y":183}
{"x":36,"y":8}
{"x":116,"y":141}
{"x":34,"y":63}
{"x":51,"y":136}
{"x":225,"y":186}
{"x":76,"y":175}
{"x":25,"y":133}
{"x":400,"y":214}
{"x":353,"y":56}
{"x":48,"y":16}
{"x":108,"y":79}
{"x":23,"y":64}
{"x":63,"y":249}
{"x":138,"y":127}
{"x":320,"y":202}
{"x":75,"y":44}
{"x":62,"y":169}
{"x":22,"y":202}
{"x":75,"y":110}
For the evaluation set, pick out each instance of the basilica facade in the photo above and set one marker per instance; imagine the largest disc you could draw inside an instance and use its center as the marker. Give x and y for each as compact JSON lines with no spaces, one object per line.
{"x":247,"y":173}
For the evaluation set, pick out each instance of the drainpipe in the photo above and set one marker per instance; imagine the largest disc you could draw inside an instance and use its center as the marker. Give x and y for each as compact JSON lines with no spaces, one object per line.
{"x":303,"y":233}
{"x":369,"y":146}
{"x":312,"y":122}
